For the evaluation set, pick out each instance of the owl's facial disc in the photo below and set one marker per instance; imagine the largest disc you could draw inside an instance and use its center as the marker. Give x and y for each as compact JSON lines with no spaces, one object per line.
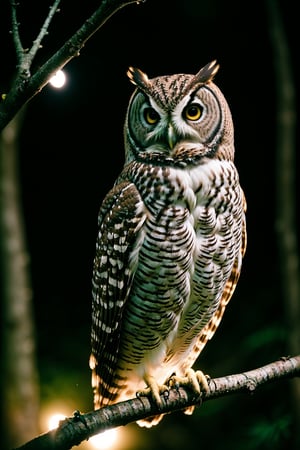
{"x":155,"y":127}
{"x":167,"y":127}
{"x":148,"y":123}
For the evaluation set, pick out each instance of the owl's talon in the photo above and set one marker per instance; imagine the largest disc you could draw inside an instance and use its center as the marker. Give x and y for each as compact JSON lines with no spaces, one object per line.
{"x":166,"y":393}
{"x":195,"y":380}
{"x":154,"y":390}
{"x":174,"y":383}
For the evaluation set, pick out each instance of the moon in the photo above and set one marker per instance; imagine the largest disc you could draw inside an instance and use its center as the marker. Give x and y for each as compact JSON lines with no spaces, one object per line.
{"x":58,"y":80}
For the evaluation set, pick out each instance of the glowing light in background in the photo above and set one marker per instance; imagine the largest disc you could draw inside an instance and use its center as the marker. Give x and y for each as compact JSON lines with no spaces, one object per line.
{"x":58,"y":80}
{"x":104,"y":440}
{"x":54,"y":420}
{"x":107,"y":440}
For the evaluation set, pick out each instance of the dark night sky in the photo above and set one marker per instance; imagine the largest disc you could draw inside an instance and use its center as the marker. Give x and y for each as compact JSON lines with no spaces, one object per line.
{"x":71,"y":151}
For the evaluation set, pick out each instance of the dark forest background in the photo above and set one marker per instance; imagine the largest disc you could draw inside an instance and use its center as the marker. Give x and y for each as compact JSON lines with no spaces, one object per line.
{"x":71,"y":151}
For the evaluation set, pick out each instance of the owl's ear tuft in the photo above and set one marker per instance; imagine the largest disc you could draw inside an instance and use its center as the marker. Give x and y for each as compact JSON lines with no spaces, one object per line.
{"x":207,"y":73}
{"x":137,"y":77}
{"x":204,"y":76}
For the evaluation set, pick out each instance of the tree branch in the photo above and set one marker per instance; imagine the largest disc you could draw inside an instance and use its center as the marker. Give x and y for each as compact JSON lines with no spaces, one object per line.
{"x":25,"y":86}
{"x":44,"y":30}
{"x":15,"y":32}
{"x":74,"y":430}
{"x":25,"y":57}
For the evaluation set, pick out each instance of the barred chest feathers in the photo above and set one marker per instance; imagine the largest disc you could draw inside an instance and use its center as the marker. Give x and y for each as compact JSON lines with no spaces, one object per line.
{"x":187,"y":247}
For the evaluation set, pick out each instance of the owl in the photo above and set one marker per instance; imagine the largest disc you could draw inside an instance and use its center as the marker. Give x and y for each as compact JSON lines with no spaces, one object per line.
{"x":171,"y":239}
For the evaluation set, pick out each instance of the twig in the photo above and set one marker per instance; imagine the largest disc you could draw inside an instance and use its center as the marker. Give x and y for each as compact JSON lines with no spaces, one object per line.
{"x":24,"y":57}
{"x":44,"y":30}
{"x":74,"y":430}
{"x":15,"y":32}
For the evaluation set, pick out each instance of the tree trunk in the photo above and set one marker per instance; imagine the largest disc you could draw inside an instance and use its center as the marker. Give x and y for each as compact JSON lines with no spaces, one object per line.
{"x":19,"y":380}
{"x":286,"y":205}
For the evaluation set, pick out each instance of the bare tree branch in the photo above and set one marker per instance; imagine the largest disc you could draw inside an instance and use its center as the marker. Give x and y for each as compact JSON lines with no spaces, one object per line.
{"x":26,"y":86}
{"x":25,"y":57}
{"x":74,"y":430}
{"x":44,"y":30}
{"x":15,"y":31}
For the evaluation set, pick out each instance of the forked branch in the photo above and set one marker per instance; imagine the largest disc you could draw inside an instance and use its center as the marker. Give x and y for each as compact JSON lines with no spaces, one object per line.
{"x":26,"y":85}
{"x":24,"y":56}
{"x":80,"y":427}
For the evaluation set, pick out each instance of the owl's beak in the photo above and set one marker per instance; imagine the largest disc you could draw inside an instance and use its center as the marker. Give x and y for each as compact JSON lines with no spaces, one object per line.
{"x":171,"y":136}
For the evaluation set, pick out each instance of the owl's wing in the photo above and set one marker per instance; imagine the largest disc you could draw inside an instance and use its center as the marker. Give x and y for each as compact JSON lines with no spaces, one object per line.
{"x":120,"y":219}
{"x":209,"y":330}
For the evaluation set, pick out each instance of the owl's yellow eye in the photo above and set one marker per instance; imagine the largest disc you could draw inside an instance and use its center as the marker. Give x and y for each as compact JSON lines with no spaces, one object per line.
{"x":193,"y":112}
{"x":151,"y":116}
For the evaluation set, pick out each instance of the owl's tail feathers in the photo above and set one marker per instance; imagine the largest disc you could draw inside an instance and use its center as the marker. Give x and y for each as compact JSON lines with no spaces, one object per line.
{"x":154,"y":420}
{"x":153,"y":390}
{"x":189,"y":410}
{"x":150,"y":421}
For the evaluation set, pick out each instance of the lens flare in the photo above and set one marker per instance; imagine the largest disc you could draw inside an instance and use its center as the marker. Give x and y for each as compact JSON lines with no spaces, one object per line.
{"x":54,"y":420}
{"x":104,"y":440}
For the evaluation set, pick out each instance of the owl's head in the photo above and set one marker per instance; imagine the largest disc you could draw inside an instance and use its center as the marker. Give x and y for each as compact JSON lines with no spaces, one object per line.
{"x":178,"y":119}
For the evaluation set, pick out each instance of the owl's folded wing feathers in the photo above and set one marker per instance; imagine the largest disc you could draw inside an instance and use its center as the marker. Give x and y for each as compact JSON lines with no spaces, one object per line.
{"x":120,"y":220}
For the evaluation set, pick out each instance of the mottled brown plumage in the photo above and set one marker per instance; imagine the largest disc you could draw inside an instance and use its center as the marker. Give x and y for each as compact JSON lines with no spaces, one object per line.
{"x":171,"y":238}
